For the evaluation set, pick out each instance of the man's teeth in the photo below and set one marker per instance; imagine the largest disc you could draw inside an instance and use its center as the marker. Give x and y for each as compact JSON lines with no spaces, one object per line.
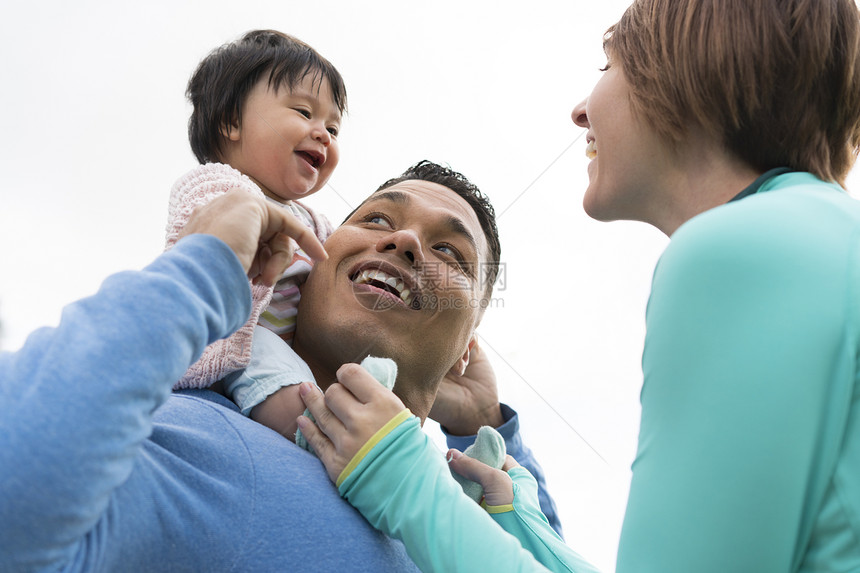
{"x":591,"y":150}
{"x":368,"y":276}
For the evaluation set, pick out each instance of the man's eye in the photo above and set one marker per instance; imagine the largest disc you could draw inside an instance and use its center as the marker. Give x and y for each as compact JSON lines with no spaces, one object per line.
{"x":378,"y":219}
{"x":451,"y":252}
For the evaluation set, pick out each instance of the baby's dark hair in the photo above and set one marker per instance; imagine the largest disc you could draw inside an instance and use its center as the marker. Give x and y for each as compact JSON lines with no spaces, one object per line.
{"x":222,"y":81}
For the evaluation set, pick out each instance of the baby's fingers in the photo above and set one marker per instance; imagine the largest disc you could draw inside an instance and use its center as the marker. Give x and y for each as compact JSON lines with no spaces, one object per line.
{"x":321,"y":445}
{"x":497,"y":484}
{"x":326,"y":433}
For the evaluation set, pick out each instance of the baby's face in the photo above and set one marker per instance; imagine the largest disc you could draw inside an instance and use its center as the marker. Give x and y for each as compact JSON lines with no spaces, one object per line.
{"x":287,"y":140}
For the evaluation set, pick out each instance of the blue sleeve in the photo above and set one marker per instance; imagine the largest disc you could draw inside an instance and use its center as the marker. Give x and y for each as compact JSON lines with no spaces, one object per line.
{"x":749,"y":366}
{"x":510,"y":431}
{"x":78,"y":399}
{"x":401,"y":484}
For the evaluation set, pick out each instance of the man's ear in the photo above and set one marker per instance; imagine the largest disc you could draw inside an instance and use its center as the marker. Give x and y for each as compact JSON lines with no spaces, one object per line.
{"x":459,"y":367}
{"x":231,"y":131}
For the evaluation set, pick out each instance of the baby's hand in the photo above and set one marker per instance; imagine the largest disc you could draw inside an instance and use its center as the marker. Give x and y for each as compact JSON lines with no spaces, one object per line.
{"x":497,"y":484}
{"x":350,"y":412}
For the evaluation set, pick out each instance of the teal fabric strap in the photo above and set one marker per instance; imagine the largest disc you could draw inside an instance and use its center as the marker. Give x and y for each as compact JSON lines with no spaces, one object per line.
{"x":754,"y":187}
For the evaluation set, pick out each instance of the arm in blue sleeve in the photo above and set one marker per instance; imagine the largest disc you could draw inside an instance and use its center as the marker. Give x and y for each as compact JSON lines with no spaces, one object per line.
{"x":78,"y":399}
{"x":748,"y":373}
{"x":510,"y":431}
{"x":403,"y":487}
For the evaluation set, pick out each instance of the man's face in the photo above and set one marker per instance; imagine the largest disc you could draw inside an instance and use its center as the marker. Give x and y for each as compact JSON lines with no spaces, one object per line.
{"x":401,"y":281}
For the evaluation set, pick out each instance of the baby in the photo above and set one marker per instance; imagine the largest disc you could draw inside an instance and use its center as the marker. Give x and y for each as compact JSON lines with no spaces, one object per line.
{"x":266,"y":114}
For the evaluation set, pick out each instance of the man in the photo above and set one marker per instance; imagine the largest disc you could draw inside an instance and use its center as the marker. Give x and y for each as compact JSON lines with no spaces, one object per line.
{"x":102,"y":469}
{"x":415,"y":262}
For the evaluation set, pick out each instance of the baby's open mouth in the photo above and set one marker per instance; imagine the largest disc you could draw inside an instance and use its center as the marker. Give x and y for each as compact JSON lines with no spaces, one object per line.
{"x":315,"y":159}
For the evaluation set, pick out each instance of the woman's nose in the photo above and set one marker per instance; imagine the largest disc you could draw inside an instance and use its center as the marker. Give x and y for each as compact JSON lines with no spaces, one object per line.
{"x":579,"y":116}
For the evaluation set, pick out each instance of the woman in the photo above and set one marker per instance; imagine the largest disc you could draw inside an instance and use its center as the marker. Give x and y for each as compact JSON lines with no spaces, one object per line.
{"x":730,"y":125}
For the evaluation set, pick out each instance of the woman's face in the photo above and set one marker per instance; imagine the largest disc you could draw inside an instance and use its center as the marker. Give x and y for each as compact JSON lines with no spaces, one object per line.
{"x":628,"y":159}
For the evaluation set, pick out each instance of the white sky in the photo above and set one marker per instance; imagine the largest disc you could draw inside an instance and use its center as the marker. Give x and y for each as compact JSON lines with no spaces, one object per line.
{"x":95,"y":116}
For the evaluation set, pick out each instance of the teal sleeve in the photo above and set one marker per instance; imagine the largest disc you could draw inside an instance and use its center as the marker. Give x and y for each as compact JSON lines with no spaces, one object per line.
{"x":749,"y":366}
{"x":524,"y":520}
{"x":403,"y":487}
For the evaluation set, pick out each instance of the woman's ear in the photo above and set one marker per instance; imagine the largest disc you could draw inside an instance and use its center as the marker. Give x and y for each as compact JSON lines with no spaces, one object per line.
{"x":462,"y":363}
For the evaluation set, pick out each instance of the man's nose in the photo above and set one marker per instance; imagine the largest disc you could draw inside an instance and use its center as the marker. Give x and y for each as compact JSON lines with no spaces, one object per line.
{"x":403,"y":242}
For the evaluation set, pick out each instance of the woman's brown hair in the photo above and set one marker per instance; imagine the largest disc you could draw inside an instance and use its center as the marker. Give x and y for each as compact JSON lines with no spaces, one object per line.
{"x":777,"y":81}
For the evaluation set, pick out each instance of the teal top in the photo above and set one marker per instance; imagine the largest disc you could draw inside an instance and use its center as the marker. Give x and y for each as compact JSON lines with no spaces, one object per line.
{"x":401,"y":484}
{"x":749,"y":447}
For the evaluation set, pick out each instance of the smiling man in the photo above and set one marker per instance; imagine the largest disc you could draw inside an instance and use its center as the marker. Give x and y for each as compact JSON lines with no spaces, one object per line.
{"x":408,"y":277}
{"x":103,"y":469}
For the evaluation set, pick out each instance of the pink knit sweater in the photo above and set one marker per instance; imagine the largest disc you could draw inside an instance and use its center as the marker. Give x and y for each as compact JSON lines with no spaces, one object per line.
{"x":198,"y":187}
